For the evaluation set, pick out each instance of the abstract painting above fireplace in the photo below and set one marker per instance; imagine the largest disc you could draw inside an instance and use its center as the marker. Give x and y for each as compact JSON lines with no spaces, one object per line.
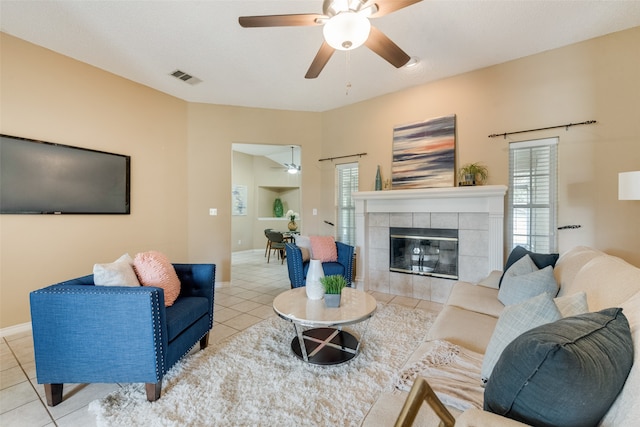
{"x":424,"y":154}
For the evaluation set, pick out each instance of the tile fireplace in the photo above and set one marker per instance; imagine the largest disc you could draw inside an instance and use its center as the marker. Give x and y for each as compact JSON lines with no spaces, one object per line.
{"x":475,"y":215}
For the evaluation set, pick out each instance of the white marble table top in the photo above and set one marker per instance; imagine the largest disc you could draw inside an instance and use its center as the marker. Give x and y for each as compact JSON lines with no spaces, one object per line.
{"x":355,"y":306}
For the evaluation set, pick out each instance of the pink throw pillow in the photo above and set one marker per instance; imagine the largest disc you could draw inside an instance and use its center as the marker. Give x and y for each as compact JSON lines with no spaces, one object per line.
{"x":154,"y":269}
{"x":324,"y":248}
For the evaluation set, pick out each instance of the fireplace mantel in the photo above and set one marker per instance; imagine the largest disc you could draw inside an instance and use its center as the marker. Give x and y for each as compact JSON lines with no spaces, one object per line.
{"x":479,"y":198}
{"x":487,"y":200}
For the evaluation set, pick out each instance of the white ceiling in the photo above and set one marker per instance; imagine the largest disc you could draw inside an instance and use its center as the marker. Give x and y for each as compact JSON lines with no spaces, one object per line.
{"x":146,"y":40}
{"x":282,"y":154}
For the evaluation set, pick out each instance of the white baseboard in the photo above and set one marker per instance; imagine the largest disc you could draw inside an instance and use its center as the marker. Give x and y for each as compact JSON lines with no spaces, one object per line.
{"x":15,"y":329}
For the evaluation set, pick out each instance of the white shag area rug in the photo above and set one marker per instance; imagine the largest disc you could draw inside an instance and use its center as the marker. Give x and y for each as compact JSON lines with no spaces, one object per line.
{"x":254,"y":379}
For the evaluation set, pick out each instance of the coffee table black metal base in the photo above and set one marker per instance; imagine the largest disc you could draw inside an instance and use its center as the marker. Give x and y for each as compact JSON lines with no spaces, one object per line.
{"x":326,"y":346}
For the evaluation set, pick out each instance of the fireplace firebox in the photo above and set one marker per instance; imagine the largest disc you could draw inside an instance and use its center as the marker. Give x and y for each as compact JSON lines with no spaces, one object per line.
{"x":424,"y":251}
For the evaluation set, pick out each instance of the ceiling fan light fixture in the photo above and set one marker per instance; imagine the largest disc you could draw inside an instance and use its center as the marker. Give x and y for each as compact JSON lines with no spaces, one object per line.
{"x":292,"y":170}
{"x":412,"y":62}
{"x":346,"y":30}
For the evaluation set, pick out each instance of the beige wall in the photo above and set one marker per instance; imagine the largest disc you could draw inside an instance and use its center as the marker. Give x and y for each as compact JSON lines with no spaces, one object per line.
{"x":181,"y":152}
{"x":212,"y":130}
{"x":54,"y":98}
{"x":594,"y":80}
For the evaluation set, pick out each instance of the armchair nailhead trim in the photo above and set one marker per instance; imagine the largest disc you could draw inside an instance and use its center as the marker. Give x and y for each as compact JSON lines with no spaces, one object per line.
{"x":157,"y":337}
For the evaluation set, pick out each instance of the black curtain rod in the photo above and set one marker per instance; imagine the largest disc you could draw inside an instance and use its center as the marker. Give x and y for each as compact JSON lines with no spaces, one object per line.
{"x":567,"y":126}
{"x":342,"y":157}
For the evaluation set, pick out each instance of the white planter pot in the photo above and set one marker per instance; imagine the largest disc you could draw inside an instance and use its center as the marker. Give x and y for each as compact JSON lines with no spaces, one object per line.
{"x":315,"y":290}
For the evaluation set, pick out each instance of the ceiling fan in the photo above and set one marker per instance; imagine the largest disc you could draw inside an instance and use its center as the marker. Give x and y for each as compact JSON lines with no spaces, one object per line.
{"x":292,"y":168}
{"x":346,"y":27}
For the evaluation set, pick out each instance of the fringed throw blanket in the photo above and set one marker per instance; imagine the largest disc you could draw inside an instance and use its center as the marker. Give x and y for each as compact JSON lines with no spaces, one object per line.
{"x":453,"y":373}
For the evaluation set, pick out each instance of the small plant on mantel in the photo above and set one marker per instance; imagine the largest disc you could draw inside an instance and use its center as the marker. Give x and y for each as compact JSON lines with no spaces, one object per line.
{"x":472,"y":174}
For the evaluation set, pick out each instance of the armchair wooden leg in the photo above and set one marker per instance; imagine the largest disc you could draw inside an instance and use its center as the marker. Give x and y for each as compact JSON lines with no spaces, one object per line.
{"x":53,"y":392}
{"x":153,"y":391}
{"x":204,"y":341}
{"x":421,"y":392}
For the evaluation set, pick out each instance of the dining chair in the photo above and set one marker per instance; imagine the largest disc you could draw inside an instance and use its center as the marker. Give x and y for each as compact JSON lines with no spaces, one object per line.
{"x":276,"y":242}
{"x":266,"y":230}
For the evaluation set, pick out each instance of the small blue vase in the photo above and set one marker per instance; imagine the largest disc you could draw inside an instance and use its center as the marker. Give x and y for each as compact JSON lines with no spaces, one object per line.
{"x":378,"y":180}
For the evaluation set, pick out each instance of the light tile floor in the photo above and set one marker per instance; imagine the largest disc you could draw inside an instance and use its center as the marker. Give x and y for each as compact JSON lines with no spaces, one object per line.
{"x":245,"y":301}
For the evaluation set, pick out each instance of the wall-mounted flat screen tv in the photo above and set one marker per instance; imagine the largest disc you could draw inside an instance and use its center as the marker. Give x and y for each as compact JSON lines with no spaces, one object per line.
{"x":39,"y":177}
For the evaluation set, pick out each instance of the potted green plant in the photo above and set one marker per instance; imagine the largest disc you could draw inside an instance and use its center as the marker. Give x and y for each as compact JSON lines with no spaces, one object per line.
{"x":472,"y":174}
{"x":333,"y":285}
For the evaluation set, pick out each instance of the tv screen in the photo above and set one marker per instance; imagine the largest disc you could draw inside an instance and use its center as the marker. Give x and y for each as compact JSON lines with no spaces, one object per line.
{"x":39,"y":177}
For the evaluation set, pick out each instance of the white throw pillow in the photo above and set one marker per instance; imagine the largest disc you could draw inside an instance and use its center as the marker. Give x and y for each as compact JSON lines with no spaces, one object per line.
{"x":572,"y":305}
{"x":118,"y":273}
{"x":515,"y":320}
{"x":304,"y":242}
{"x":523,"y":280}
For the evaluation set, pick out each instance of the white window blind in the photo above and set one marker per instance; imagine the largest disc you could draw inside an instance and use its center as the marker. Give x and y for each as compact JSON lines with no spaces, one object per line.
{"x":533,"y":195}
{"x":347,"y":183}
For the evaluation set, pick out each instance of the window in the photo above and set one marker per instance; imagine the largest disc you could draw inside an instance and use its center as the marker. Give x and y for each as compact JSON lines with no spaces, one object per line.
{"x":533,"y":194}
{"x":347,"y":182}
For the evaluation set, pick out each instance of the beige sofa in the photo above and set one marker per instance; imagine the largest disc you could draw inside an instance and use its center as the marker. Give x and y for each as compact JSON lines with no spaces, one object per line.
{"x":471,"y":313}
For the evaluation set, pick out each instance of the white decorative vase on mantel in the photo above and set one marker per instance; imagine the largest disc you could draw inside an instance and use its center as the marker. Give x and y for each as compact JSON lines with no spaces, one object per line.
{"x":315,"y":290}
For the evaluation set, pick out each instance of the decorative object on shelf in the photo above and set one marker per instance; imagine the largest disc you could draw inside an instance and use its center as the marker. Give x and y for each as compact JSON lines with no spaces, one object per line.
{"x":314,"y":288}
{"x":333,"y":286}
{"x":292,"y":220}
{"x":378,"y":180}
{"x":387,"y":184}
{"x":472,"y":174}
{"x":278,"y":209}
{"x":424,"y":154}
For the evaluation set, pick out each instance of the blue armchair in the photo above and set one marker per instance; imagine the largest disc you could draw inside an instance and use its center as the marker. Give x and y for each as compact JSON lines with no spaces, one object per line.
{"x":298,"y":269}
{"x":109,"y":334}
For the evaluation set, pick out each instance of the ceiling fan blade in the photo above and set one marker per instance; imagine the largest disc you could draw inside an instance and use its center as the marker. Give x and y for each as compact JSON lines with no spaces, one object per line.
{"x":383,"y":46}
{"x":305,"y":19}
{"x":386,"y":7}
{"x":321,"y":59}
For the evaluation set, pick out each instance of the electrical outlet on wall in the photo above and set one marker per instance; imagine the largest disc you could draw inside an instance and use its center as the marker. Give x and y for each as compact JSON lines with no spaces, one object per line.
{"x":239,"y":242}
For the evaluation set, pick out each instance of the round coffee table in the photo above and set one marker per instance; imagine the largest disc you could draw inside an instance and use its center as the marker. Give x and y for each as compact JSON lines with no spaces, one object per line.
{"x":320,"y":328}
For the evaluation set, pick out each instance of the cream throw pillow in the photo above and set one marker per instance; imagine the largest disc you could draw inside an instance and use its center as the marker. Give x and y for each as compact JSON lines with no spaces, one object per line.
{"x":572,"y":305}
{"x":304,"y":242}
{"x":118,"y":273}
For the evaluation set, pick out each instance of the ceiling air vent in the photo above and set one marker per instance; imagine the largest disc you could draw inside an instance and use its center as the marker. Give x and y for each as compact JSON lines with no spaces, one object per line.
{"x":187,"y":78}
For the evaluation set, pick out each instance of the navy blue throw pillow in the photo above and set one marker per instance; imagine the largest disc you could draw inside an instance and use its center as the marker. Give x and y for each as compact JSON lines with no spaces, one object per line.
{"x":566,"y":373}
{"x":540,"y":260}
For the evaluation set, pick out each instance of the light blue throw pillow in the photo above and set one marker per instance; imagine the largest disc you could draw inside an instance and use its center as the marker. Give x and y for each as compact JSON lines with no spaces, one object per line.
{"x":514,"y":321}
{"x":523,"y":280}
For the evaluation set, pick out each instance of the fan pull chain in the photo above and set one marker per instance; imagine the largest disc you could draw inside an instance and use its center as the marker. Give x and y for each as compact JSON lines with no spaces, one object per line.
{"x":348,"y":66}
